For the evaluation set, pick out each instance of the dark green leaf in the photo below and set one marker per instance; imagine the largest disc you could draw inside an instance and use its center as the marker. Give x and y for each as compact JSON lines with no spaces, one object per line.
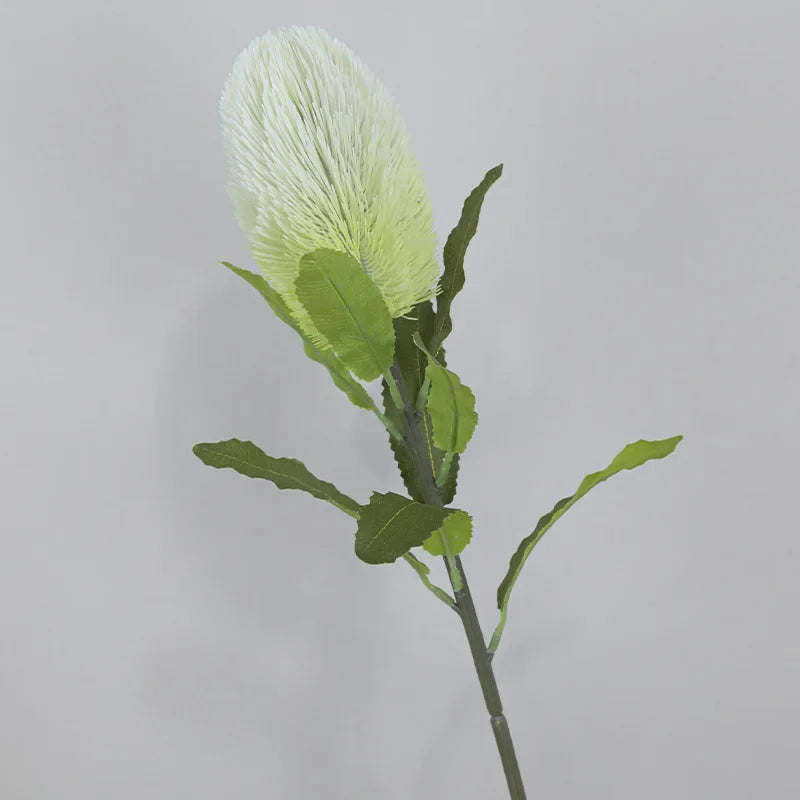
{"x":452,"y":280}
{"x":285,"y":473}
{"x":392,"y":524}
{"x":631,"y":456}
{"x":402,"y":455}
{"x":447,"y":491}
{"x":411,"y":361}
{"x":348,"y":309}
{"x":405,"y":463}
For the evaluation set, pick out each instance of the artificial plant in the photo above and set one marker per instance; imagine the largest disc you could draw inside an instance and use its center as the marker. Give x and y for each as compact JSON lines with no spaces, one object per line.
{"x":326,"y":187}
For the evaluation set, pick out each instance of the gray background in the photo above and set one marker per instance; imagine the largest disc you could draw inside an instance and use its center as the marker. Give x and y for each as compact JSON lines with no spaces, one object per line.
{"x":169,"y":631}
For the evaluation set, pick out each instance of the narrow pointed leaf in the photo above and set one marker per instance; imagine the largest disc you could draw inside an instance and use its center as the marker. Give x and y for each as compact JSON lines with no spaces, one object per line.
{"x":260,"y":284}
{"x":451,"y":406}
{"x":392,"y":524}
{"x":341,"y":376}
{"x":455,"y":248}
{"x":339,"y":373}
{"x":456,"y":529}
{"x":630,"y":457}
{"x":348,"y":309}
{"x":405,"y":463}
{"x":423,"y":570}
{"x":410,"y":359}
{"x":412,"y":363}
{"x":286,"y":473}
{"x":402,"y":455}
{"x":448,"y":490}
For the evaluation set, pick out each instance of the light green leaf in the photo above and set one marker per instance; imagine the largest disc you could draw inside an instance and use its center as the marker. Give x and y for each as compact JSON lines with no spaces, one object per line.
{"x":455,"y":248}
{"x":348,"y":309}
{"x":423,"y":570}
{"x":260,"y":284}
{"x":341,"y":375}
{"x":451,"y":406}
{"x":285,"y":473}
{"x":631,"y":456}
{"x":392,"y":524}
{"x":456,"y":530}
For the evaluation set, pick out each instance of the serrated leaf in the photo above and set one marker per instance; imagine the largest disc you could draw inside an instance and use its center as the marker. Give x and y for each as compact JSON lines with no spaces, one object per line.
{"x":390,"y":525}
{"x":409,"y":358}
{"x":402,"y":455}
{"x":286,"y":473}
{"x":339,"y":373}
{"x":347,"y":307}
{"x":630,"y":457}
{"x":412,"y":362}
{"x":447,"y":491}
{"x":451,"y":406}
{"x":455,"y":248}
{"x":405,"y":463}
{"x":456,"y":529}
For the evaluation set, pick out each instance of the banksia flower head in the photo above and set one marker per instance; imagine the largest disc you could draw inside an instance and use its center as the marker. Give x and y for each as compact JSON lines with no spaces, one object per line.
{"x":319,"y":157}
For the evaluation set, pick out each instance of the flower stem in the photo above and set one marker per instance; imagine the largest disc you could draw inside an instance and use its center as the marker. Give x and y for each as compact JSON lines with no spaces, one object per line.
{"x":469,"y":617}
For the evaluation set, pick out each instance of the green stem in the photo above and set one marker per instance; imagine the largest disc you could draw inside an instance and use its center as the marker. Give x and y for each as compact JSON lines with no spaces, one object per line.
{"x":469,"y":618}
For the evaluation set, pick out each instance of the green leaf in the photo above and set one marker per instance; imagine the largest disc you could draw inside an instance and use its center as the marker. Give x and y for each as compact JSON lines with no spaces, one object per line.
{"x":447,"y":491}
{"x":405,"y":463}
{"x":348,"y":309}
{"x":392,"y":524}
{"x":275,"y":301}
{"x":423,"y":570}
{"x":341,"y":375}
{"x":630,"y":457}
{"x":402,"y":455}
{"x":456,"y":529}
{"x":285,"y":473}
{"x":412,"y":363}
{"x":410,"y":359}
{"x":451,"y":406}
{"x":455,"y":248}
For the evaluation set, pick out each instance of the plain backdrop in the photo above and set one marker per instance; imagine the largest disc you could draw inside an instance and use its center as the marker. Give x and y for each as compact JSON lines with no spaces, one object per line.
{"x":172,"y":631}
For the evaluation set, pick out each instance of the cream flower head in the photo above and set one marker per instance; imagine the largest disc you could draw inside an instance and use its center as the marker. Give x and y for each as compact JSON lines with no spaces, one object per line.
{"x":319,"y":157}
